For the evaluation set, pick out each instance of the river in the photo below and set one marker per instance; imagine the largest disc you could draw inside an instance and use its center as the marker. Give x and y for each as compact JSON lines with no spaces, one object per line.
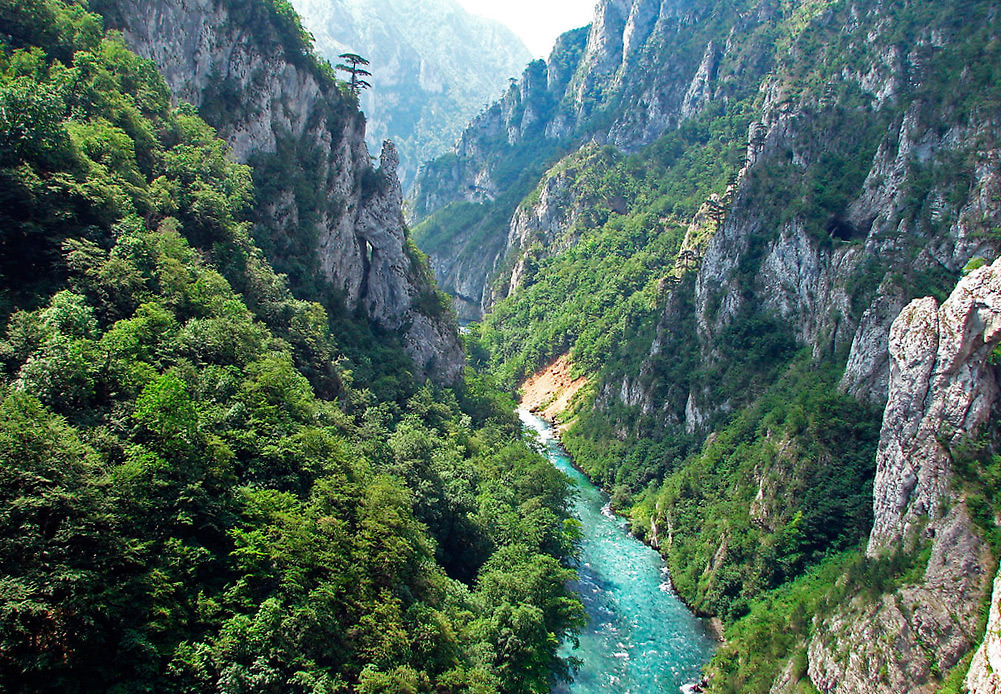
{"x":640,"y":637}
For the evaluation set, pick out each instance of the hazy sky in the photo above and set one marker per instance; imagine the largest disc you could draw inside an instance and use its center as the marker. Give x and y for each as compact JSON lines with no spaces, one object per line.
{"x":537,"y":22}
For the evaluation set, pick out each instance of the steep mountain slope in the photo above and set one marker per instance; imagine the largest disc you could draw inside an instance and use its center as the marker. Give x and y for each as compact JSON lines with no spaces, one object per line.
{"x":638,"y":70}
{"x":717,"y":211}
{"x":434,"y":64}
{"x":323,"y":215}
{"x":473,"y":191}
{"x":201,"y":488}
{"x":939,"y":417}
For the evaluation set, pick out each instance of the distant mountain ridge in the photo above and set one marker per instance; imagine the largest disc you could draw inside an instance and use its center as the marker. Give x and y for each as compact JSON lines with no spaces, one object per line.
{"x":434,"y":66}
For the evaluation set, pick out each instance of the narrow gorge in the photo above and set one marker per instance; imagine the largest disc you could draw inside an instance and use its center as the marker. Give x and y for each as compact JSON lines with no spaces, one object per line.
{"x":713,"y":220}
{"x":740,"y":261}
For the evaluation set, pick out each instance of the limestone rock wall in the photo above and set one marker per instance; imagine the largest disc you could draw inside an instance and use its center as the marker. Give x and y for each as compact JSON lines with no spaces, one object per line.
{"x":984,"y":676}
{"x":231,"y":61}
{"x":942,"y":388}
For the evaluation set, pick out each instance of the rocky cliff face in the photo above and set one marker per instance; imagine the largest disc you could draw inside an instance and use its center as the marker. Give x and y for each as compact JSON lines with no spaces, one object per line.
{"x":585,"y":91}
{"x":644,"y":67}
{"x":838,"y":275}
{"x":434,"y":67}
{"x":943,"y":389}
{"x":549,"y":221}
{"x":320,"y":205}
{"x":467,"y":197}
{"x":640,"y":68}
{"x":984,"y":676}
{"x":816,"y":286}
{"x":902,"y":640}
{"x":466,"y":275}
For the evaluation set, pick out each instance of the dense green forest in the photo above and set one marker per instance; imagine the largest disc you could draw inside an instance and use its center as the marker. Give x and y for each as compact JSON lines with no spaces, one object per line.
{"x":763,"y":509}
{"x":594,"y":295}
{"x":207,"y":484}
{"x":214,"y":477}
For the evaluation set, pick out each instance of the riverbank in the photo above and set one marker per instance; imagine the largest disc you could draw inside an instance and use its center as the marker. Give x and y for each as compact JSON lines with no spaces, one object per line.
{"x":713,"y":623}
{"x":550,"y":392}
{"x":640,"y":636}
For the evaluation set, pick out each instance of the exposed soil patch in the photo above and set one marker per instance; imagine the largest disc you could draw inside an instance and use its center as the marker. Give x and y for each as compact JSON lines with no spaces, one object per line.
{"x":549,"y":392}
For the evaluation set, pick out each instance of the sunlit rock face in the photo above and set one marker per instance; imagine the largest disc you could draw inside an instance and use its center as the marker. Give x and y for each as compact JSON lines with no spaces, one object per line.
{"x":277,"y":113}
{"x":985,"y":670}
{"x":434,"y":67}
{"x":943,"y":389}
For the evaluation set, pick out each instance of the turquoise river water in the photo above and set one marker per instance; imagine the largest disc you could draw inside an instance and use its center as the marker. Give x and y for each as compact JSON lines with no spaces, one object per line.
{"x":640,"y":638}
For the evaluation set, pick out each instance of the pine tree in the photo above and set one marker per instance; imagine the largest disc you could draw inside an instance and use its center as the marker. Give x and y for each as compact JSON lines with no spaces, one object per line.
{"x":355,"y":65}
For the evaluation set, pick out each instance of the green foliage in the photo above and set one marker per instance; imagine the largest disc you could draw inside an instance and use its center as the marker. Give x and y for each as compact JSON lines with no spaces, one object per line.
{"x":775,"y":631}
{"x":434,"y":234}
{"x":59,"y":544}
{"x":206,"y":483}
{"x":975,"y":264}
{"x":955,"y":679}
{"x":779,"y":623}
{"x":979,"y":472}
{"x":812,"y":449}
{"x":596,"y":293}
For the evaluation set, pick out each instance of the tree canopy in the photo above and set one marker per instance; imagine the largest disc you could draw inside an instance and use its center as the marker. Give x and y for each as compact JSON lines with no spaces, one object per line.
{"x":199,"y":489}
{"x":354,"y":65}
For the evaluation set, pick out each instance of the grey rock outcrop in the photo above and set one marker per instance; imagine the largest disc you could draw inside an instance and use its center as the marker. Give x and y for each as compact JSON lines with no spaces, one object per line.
{"x":984,"y":676}
{"x":277,"y":106}
{"x":867,"y":373}
{"x":900,"y":640}
{"x":942,"y":389}
{"x":700,"y":90}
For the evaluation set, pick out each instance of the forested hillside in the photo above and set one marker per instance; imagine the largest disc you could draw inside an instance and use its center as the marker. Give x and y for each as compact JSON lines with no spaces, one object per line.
{"x":322,"y":214}
{"x":717,"y":210}
{"x":209,"y":484}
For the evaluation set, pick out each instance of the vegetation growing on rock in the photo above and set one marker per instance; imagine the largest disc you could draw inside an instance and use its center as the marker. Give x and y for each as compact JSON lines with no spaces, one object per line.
{"x":734,"y":409}
{"x":202,"y":487}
